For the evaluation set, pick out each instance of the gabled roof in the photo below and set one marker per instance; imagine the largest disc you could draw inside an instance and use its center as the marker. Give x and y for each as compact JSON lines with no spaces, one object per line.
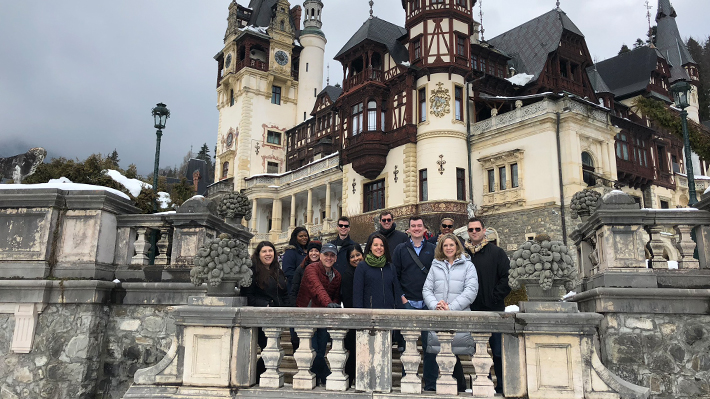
{"x":628,"y":73}
{"x":669,"y":42}
{"x":261,"y":16}
{"x":598,"y":83}
{"x":379,"y":31}
{"x":333,"y":92}
{"x":530,"y":43}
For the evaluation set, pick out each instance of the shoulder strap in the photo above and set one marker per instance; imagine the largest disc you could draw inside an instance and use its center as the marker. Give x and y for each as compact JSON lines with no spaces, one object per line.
{"x":416,"y":260}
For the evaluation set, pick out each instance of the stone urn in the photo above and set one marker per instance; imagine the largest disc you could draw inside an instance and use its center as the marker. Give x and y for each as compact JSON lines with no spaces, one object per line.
{"x":234,"y":207}
{"x":584,"y":203}
{"x":224,"y":288}
{"x":537,"y":293}
{"x":223,"y":263}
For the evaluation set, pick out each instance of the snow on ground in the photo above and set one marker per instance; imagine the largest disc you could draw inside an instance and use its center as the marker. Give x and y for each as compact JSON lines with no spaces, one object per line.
{"x":673,"y":264}
{"x":133,"y":186}
{"x":512,"y":309}
{"x":569,"y":295}
{"x":63,"y":184}
{"x":520,"y":79}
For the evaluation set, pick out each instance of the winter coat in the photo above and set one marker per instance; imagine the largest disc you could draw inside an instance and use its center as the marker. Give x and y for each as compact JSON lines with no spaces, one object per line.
{"x":296,"y":282}
{"x":457,"y":285}
{"x":394,"y":237}
{"x":492,"y":266}
{"x":343,"y":245}
{"x":410,"y":275}
{"x":316,"y":289}
{"x":274,"y":294}
{"x":293,"y":256}
{"x":346,"y":286}
{"x":376,"y":287}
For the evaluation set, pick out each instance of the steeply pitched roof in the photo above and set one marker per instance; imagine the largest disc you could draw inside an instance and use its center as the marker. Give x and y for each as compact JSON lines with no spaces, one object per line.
{"x":530,"y":43}
{"x":629,"y":73}
{"x":598,"y":83}
{"x":261,"y":16}
{"x":669,"y":42}
{"x":379,"y":31}
{"x":333,"y":92}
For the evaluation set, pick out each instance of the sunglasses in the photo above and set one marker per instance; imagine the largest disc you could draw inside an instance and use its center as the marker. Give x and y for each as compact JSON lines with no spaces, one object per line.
{"x":345,"y":226}
{"x":447,"y":226}
{"x":385,"y":220}
{"x":476,"y":229}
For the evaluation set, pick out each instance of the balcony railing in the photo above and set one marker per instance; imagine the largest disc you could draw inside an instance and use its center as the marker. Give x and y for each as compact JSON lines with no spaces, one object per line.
{"x":331,"y":161}
{"x":367,"y":75}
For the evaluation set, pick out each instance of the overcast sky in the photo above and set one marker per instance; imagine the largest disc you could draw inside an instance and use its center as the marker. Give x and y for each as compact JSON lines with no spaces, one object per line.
{"x":81,"y":76}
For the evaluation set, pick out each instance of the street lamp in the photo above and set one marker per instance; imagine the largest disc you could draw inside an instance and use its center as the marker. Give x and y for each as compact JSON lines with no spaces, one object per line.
{"x":681,"y":91}
{"x":161,"y":115}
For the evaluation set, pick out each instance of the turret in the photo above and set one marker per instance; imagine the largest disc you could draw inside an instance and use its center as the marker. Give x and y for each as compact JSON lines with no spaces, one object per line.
{"x":310,"y":70}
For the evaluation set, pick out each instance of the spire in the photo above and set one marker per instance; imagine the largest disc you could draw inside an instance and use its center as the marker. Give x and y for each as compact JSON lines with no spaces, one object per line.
{"x":480,"y":15}
{"x":558,"y":5}
{"x":669,"y":41}
{"x":372,"y":3}
{"x":327,"y":78}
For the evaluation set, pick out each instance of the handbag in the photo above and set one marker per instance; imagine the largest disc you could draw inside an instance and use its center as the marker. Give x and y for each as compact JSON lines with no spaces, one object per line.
{"x":462,"y":344}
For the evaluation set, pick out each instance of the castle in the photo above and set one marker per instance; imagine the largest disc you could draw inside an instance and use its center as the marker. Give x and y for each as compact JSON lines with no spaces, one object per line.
{"x":431,"y":119}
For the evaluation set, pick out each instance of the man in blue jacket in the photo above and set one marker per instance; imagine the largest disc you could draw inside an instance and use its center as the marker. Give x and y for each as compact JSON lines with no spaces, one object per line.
{"x":412,"y":260}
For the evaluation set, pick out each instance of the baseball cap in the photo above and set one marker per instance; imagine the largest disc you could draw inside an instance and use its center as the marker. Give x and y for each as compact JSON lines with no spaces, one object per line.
{"x":329,"y":248}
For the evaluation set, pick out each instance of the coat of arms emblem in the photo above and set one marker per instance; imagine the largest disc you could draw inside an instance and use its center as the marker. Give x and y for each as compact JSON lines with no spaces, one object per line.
{"x":440,"y":100}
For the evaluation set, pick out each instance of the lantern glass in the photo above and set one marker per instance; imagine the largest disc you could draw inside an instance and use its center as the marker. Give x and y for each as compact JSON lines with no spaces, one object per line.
{"x":680,"y":90}
{"x":160,"y":115}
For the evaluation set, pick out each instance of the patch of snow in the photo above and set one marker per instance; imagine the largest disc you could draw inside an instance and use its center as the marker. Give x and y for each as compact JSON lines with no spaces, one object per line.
{"x":165,"y":213}
{"x":116,"y":281}
{"x":569,"y":295}
{"x":296,"y":43}
{"x":512,"y":309}
{"x":256,"y":29}
{"x":163,"y":199}
{"x":63,"y":184}
{"x":520,"y":79}
{"x":406,"y":63}
{"x":672,"y":264}
{"x":133,"y":186}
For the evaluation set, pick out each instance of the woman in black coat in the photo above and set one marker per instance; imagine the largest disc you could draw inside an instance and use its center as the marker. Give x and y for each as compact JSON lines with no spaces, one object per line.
{"x":354,"y":257}
{"x":295,"y":252}
{"x":375,"y":283}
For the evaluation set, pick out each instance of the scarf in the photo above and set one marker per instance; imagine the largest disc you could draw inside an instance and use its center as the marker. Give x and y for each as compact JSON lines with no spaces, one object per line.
{"x":386,"y":232}
{"x":375,"y":261}
{"x":475,"y":248}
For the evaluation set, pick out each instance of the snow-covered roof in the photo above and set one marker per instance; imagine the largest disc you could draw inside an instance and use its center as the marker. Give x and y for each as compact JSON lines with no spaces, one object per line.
{"x":63,"y":184}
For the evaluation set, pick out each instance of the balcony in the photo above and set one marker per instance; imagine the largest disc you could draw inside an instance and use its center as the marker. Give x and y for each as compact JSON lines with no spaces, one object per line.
{"x":368,"y":75}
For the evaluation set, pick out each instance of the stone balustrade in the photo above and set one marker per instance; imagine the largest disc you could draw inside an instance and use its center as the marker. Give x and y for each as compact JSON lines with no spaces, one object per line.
{"x":268,"y":180}
{"x":549,"y":352}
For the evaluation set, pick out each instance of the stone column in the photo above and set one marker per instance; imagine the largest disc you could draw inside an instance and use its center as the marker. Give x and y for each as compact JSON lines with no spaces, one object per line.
{"x":374,"y":361}
{"x":292,"y":223}
{"x":481,"y":386}
{"x":411,"y":383}
{"x":254,"y":215}
{"x":304,"y":379}
{"x":142,"y":247}
{"x":309,"y":208}
{"x":446,"y":384}
{"x":272,"y":354}
{"x":686,"y":247}
{"x":656,"y":244}
{"x":163,"y":258}
{"x":337,"y":380}
{"x":327,"y":202}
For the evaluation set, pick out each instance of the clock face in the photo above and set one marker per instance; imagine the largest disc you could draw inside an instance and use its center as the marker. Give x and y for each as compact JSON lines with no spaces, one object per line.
{"x":230,"y":139}
{"x":228,"y":61}
{"x":281,"y":57}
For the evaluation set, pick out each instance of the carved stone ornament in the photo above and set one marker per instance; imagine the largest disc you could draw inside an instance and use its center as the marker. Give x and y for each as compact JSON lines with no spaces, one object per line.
{"x":440,"y":100}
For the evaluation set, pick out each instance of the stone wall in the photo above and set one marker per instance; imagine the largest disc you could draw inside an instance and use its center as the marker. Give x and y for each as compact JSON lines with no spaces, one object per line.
{"x":668,"y":353}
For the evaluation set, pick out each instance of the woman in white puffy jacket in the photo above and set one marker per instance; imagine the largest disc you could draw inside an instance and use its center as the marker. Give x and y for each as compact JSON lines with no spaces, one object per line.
{"x":451,"y":285}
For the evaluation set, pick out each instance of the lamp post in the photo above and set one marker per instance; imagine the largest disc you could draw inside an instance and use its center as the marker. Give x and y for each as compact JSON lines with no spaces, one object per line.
{"x":160,"y":115}
{"x":681,"y":90}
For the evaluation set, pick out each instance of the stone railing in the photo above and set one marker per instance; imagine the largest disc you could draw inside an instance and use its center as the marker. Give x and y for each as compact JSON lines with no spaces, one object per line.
{"x":548,"y":353}
{"x":329,"y":162}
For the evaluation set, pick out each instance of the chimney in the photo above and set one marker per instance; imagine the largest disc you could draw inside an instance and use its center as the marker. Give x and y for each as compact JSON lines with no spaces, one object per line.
{"x":296,"y":17}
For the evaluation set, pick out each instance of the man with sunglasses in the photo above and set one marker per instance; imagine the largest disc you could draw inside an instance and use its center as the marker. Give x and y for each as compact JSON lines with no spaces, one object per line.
{"x":446,"y":227}
{"x":388,"y":228}
{"x":492,"y":266}
{"x":343,"y":242}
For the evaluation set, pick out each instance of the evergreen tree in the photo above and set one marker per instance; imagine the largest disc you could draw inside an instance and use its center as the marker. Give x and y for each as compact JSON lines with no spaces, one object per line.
{"x":639,"y":43}
{"x":132,"y":171}
{"x":624,"y":49}
{"x":113,"y":160}
{"x":204,"y":155}
{"x":181,"y":192}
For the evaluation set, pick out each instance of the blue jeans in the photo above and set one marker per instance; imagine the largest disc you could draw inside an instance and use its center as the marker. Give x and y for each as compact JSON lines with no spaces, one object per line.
{"x":431,"y":369}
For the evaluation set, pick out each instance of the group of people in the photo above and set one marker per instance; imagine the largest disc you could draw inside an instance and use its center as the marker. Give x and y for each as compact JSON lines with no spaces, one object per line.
{"x":396,"y":270}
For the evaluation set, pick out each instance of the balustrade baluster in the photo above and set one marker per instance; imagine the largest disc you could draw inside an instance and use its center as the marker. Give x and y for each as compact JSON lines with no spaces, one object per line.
{"x":446,"y":383}
{"x":686,"y":246}
{"x":481,"y":386}
{"x":337,"y":380}
{"x":656,"y":244}
{"x":142,"y":246}
{"x":304,"y":356}
{"x":272,"y":354}
{"x":162,"y":258}
{"x":411,"y":383}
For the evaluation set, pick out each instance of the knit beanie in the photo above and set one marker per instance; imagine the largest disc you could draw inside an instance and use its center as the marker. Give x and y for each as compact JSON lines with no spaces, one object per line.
{"x":314,"y":244}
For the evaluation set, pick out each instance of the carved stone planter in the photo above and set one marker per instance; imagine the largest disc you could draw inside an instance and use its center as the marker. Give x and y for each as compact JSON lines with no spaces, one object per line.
{"x":536,"y":293}
{"x":223,"y":289}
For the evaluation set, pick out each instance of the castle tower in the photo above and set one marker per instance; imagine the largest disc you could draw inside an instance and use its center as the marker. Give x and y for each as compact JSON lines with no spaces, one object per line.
{"x":310,"y":69}
{"x":439,"y":48}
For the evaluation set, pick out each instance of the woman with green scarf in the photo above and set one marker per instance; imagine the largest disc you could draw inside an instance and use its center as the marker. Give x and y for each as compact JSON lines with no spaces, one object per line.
{"x":375,"y":283}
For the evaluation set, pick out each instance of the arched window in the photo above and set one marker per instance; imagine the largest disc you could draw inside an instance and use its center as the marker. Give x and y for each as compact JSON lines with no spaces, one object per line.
{"x":225,"y":169}
{"x":371,"y":116}
{"x":282,"y":25}
{"x":588,"y":169}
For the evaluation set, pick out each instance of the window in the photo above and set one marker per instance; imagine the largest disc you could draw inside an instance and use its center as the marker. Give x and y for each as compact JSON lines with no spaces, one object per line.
{"x":491,"y":180}
{"x":588,"y":169}
{"x":664,"y":204}
{"x":622,"y":147}
{"x":273,"y":137}
{"x":418,"y":48}
{"x":357,"y":119}
{"x":563,"y":68}
{"x":502,"y":181}
{"x":474,"y":61}
{"x":225,"y":169}
{"x":461,"y":46}
{"x":458,"y":99}
{"x":662,"y":159}
{"x":417,"y":4}
{"x":423,"y":186}
{"x":374,"y":195}
{"x":231,"y":98}
{"x":461,"y":3}
{"x":436,"y":1}
{"x":460,"y":184}
{"x":514,"y":176}
{"x":371,"y":116}
{"x":676,"y":165}
{"x":306,"y":67}
{"x":276,"y":95}
{"x":272,"y":167}
{"x":422,"y":105}
{"x":315,"y":93}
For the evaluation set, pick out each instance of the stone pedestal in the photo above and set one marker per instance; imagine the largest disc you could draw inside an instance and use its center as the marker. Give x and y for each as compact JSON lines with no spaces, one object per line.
{"x":373,"y":361}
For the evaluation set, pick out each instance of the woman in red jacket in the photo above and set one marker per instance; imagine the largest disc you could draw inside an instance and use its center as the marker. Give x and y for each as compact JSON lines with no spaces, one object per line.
{"x":320,"y":288}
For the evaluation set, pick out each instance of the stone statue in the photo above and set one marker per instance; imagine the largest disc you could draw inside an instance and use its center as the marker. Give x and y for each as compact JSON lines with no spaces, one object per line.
{"x":22,"y":165}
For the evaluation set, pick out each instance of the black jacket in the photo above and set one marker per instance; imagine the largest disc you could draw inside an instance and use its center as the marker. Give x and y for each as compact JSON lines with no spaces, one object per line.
{"x":492,"y":266}
{"x":394,"y":237}
{"x":376,"y":287}
{"x":273,"y":294}
{"x":346,"y":286}
{"x":343,"y":246}
{"x":410,"y":276}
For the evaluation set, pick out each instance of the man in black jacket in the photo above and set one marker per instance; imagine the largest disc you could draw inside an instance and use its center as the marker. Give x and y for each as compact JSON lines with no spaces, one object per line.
{"x":343,"y":242}
{"x":388,"y":228}
{"x":492,"y":266}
